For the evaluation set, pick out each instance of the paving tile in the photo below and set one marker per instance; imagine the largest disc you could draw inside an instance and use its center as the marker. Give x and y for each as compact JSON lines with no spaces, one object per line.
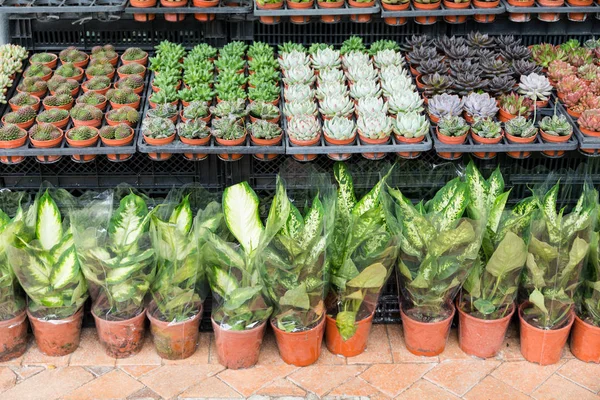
{"x":491,"y":388}
{"x":281,"y":387}
{"x":113,"y":385}
{"x":8,"y":379}
{"x":378,"y":348}
{"x":144,"y":394}
{"x":524,"y":375}
{"x":16,"y":362}
{"x":392,"y":379}
{"x":425,"y":390}
{"x":34,"y":356}
{"x":146,"y":356}
{"x":248,"y":381}
{"x":90,"y":351}
{"x":458,"y":376}
{"x":200,"y":357}
{"x":452,"y":350}
{"x":510,"y":350}
{"x":322,"y":379}
{"x":99,"y":371}
{"x":139,"y":370}
{"x":400,"y":353}
{"x":584,"y":374}
{"x":269,"y":353}
{"x":50,"y":384}
{"x":559,"y":388}
{"x":356,"y":387}
{"x":328,"y":358}
{"x":212,"y":387}
{"x":170,"y":380}
{"x":27,"y":372}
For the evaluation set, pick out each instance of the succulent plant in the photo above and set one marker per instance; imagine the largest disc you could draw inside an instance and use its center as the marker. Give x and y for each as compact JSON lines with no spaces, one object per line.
{"x":32,"y":85}
{"x":194,"y":129}
{"x":24,"y":99}
{"x":465,"y":83}
{"x":304,"y":128}
{"x":100,"y":68}
{"x":515,"y":52}
{"x":22,"y":115}
{"x":558,"y":70}
{"x":382,"y":45}
{"x":133,"y":54}
{"x":331,"y":75}
{"x":266,"y":91}
{"x":415,"y":41}
{"x":556,"y":125}
{"x":91,"y":98}
{"x":477,"y":39}
{"x":58,"y":100}
{"x":385,"y":58}
{"x":124,"y":114}
{"x":82,"y":133}
{"x":405,"y":102}
{"x":536,"y":87}
{"x":483,"y":53}
{"x":467,"y":66}
{"x":442,"y":42}
{"x":487,"y":128}
{"x":162,"y":111}
{"x":68,"y":70}
{"x":504,"y":41}
{"x":445,"y":104}
{"x":517,"y":105}
{"x":571,"y":84}
{"x":491,"y":67}
{"x":42,"y":58}
{"x":131,"y":69}
{"x":356,"y":59}
{"x":39,"y":70}
{"x":340,"y":106}
{"x":98,"y":83}
{"x":436,"y":84}
{"x":131,"y":82}
{"x":158,"y":128}
{"x":391,"y":86}
{"x":299,"y":74}
{"x":524,"y":67}
{"x":393,"y":72}
{"x":365,"y":88}
{"x":543,"y":54}
{"x":590,"y":119}
{"x":480,"y":105}
{"x":262,"y":110}
{"x":358,"y":72}
{"x":452,"y":126}
{"x":293,"y":59}
{"x":228,"y":129}
{"x":421,"y":53}
{"x":429,"y":67}
{"x":122,"y":96}
{"x":456,"y":52}
{"x":258,"y":48}
{"x":339,"y":128}
{"x":375,"y":126}
{"x":71,"y":55}
{"x":116,"y":132}
{"x":319,"y":46}
{"x":11,"y":132}
{"x":288,"y":47}
{"x":588,"y":72}
{"x":594,"y":87}
{"x":105,"y":53}
{"x":580,"y":56}
{"x":500,"y":85}
{"x":83,"y":112}
{"x":54,"y":115}
{"x":371,"y":104}
{"x":411,"y":125}
{"x":331,"y":89}
{"x":262,"y":129}
{"x":588,"y":101}
{"x":326,"y":58}
{"x":520,"y":127}
{"x":298,"y":92}
{"x":44,"y":132}
{"x":235,"y":109}
{"x":354,"y":44}
{"x":195,"y":110}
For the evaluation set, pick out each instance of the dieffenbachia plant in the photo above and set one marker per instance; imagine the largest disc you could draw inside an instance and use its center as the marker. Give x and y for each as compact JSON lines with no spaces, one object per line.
{"x":557,"y":252}
{"x":44,"y":259}
{"x":438,"y":248}
{"x":239,"y":297}
{"x":293,"y":264}
{"x":492,"y":286}
{"x":115,"y":252}
{"x":588,"y":299}
{"x":179,"y":286}
{"x":361,"y":252}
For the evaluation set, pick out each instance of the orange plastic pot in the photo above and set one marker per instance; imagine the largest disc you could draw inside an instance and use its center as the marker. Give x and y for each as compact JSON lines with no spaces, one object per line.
{"x":353,"y":346}
{"x":426,"y":20}
{"x":140,"y":74}
{"x":330,"y":19}
{"x":234,"y":142}
{"x":585,"y":341}
{"x":49,"y":64}
{"x":305,"y":157}
{"x":99,"y":91}
{"x":542,"y":346}
{"x":360,"y":18}
{"x":175,"y":340}
{"x":481,"y":337}
{"x":485,"y":18}
{"x":238,"y":349}
{"x":270,"y":6}
{"x":135,"y":105}
{"x":14,"y":107}
{"x":39,"y":94}
{"x":554,"y":139}
{"x":458,"y":140}
{"x":338,"y":142}
{"x":578,"y":3}
{"x":588,"y":132}
{"x":13,"y":337}
{"x":516,"y":139}
{"x":94,"y":123}
{"x":456,"y":19}
{"x":300,"y":348}
{"x":57,"y":337}
{"x":426,"y":338}
{"x":549,"y":17}
{"x":44,"y":144}
{"x":505,"y":116}
{"x":266,"y":142}
{"x":63,"y":107}
{"x":121,"y":339}
{"x":409,"y":154}
{"x":573,"y":114}
{"x":205,"y":4}
{"x":518,"y":17}
{"x":367,"y":141}
{"x":143,"y":3}
{"x":481,"y":140}
{"x":83,"y":143}
{"x":300,"y":19}
{"x":159,"y":142}
{"x":142,"y":61}
{"x":22,"y":125}
{"x":118,"y":143}
{"x":272,"y":120}
{"x":195,"y":142}
{"x":12,"y":144}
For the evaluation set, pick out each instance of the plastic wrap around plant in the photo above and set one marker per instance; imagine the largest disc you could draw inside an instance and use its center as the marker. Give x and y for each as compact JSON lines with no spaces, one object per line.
{"x":557,"y":252}
{"x":588,"y":300}
{"x":44,"y":259}
{"x":361,"y":252}
{"x":115,"y":251}
{"x":438,"y":248}
{"x":293,"y":263}
{"x":492,"y":286}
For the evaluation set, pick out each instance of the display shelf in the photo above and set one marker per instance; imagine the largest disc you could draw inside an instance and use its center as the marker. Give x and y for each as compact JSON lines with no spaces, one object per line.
{"x":315,"y":10}
{"x":229,"y":8}
{"x":61,"y":6}
{"x":563,"y":9}
{"x":442,"y":11}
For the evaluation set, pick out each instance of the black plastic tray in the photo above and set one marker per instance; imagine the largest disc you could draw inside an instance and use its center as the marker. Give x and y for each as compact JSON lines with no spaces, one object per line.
{"x":61,"y":6}
{"x":564,"y":9}
{"x":590,"y":144}
{"x":315,"y":11}
{"x":243,"y":7}
{"x":442,"y":11}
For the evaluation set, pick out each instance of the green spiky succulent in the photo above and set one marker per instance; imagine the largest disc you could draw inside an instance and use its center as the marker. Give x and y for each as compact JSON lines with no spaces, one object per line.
{"x":44,"y":132}
{"x":32,"y":85}
{"x":353,"y":43}
{"x":131,"y":82}
{"x":58,"y":100}
{"x":11,"y":132}
{"x":106,"y":52}
{"x":158,"y":128}
{"x":22,"y":115}
{"x":134,"y":54}
{"x":162,"y":111}
{"x":117,"y":132}
{"x":91,"y":98}
{"x":42,"y":58}
{"x":262,"y":129}
{"x":82,"y":133}
{"x":196,"y":129}
{"x":99,"y":68}
{"x":84,"y":112}
{"x":58,"y":82}
{"x":53,"y":115}
{"x":122,"y":96}
{"x":98,"y":83}
{"x":131,"y":69}
{"x":227,"y":129}
{"x":124,"y":114}
{"x":71,"y":55}
{"x":453,"y":126}
{"x":38,"y":70}
{"x":24,"y":99}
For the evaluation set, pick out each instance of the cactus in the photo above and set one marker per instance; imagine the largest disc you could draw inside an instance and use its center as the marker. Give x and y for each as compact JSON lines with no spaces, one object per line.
{"x":304,"y":128}
{"x":38,"y":70}
{"x":480,"y":105}
{"x":131,"y":81}
{"x":228,"y":129}
{"x":91,"y":98}
{"x":158,"y":128}
{"x":116,"y":132}
{"x":375,"y":126}
{"x":58,"y":100}
{"x":131,"y":69}
{"x":590,"y":119}
{"x":122,"y":96}
{"x":99,"y":83}
{"x":44,"y":132}
{"x":404,"y":102}
{"x":520,"y":127}
{"x":53,"y":115}
{"x":340,"y":106}
{"x":100,"y":68}
{"x":411,"y":125}
{"x":83,"y":112}
{"x":11,"y":132}
{"x":339,"y":128}
{"x":32,"y":85}
{"x":41,"y":58}
{"x":22,"y":115}
{"x":452,"y":126}
{"x":82,"y":133}
{"x":124,"y":114}
{"x":134,"y":54}
{"x":371,"y":104}
{"x":487,"y":128}
{"x":68,"y":70}
{"x":72,"y":55}
{"x":195,"y":129}
{"x":58,"y":82}
{"x":23,"y":99}
{"x":262,"y":129}
{"x":445,"y":104}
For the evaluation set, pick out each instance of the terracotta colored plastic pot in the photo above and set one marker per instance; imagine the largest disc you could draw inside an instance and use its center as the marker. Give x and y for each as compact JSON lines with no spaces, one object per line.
{"x":485,"y":18}
{"x":305,"y":157}
{"x":588,"y":132}
{"x":266,"y":142}
{"x":300,"y":348}
{"x":143,"y":3}
{"x":83,"y":143}
{"x":153,"y":104}
{"x":453,"y":140}
{"x":49,"y":64}
{"x":270,"y":6}
{"x":22,"y":125}
{"x":518,"y":17}
{"x":135,"y":105}
{"x":573,"y":114}
{"x":14,"y":107}
{"x":79,"y":64}
{"x":63,"y":107}
{"x":541,"y":346}
{"x":205,"y":4}
{"x":142,"y":61}
{"x":235,"y":142}
{"x":100,"y":91}
{"x":554,"y":139}
{"x":549,"y":17}
{"x":433,"y":119}
{"x":330,"y":19}
{"x":12,"y":144}
{"x":121,"y":339}
{"x":118,"y":143}
{"x":478,"y":139}
{"x":175,"y":341}
{"x":585,"y":341}
{"x":455,"y":19}
{"x":516,"y":139}
{"x":578,"y":3}
{"x":353,"y":346}
{"x":409,"y":154}
{"x":13,"y":337}
{"x":426,"y":20}
{"x":43,"y":144}
{"x":38,"y":94}
{"x":140,"y":74}
{"x":300,"y":19}
{"x":272,"y":120}
{"x":159,"y":142}
{"x":505,"y":116}
{"x":57,"y":337}
{"x":238,"y":349}
{"x":481,"y":337}
{"x":367,"y":141}
{"x":426,"y":338}
{"x":94,"y":123}
{"x":195,"y":142}
{"x":395,"y":21}
{"x":337,"y":142}
{"x":360,"y":18}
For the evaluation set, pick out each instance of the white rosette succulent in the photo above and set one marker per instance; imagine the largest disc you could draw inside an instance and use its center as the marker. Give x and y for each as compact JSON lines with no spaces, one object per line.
{"x":365,"y":88}
{"x":393,"y":72}
{"x":340,"y":106}
{"x":298,"y":92}
{"x":386,"y":58}
{"x":308,"y":107}
{"x":331,"y":75}
{"x":389,"y":87}
{"x":293,"y":59}
{"x":404,"y":102}
{"x":357,"y":73}
{"x":326,"y":58}
{"x":356,"y":58}
{"x":370,"y":105}
{"x":303,"y":74}
{"x":331,"y":89}
{"x":339,"y":128}
{"x":304,"y":128}
{"x":375,"y":126}
{"x":411,"y":125}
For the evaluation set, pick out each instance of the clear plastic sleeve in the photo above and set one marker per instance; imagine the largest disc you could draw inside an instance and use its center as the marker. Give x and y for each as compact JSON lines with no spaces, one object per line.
{"x":588,"y":300}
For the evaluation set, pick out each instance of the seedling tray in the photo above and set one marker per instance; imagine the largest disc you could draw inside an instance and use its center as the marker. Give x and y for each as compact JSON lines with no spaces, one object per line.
{"x":315,"y":11}
{"x":243,"y":7}
{"x":564,"y":9}
{"x":589,"y":146}
{"x":442,"y":11}
{"x":61,"y":6}
{"x":64,"y":149}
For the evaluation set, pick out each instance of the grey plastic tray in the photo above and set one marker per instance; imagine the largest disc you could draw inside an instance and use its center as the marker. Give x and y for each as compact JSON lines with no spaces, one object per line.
{"x":315,"y":11}
{"x":564,"y":9}
{"x":442,"y":11}
{"x":61,"y":6}
{"x":591,"y":145}
{"x":243,"y":7}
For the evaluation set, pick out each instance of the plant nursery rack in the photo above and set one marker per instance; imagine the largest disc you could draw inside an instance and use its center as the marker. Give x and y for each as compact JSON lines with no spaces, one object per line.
{"x":564,"y":9}
{"x":239,"y":7}
{"x":286,"y":11}
{"x":443,"y":11}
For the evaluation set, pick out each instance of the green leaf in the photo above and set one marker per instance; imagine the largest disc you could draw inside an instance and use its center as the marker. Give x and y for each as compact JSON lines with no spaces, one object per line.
{"x":182,"y":216}
{"x":542,"y":250}
{"x":241,"y":210}
{"x":535,"y":272}
{"x":48,"y":227}
{"x":346,"y":324}
{"x":510,"y":254}
{"x":296,"y":297}
{"x":129,"y":221}
{"x":239,"y":296}
{"x":372,"y":277}
{"x":537,"y":298}
{"x":484,"y":306}
{"x":66,"y":270}
{"x":221,"y":283}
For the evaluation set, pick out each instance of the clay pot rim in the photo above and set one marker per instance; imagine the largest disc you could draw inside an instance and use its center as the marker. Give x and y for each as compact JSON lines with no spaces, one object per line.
{"x":485,"y":321}
{"x":567,"y":327}
{"x":577,"y":320}
{"x":156,"y":321}
{"x":555,"y":139}
{"x":242,"y":332}
{"x":414,"y":321}
{"x":142,"y":314}
{"x":56,"y":321}
{"x":317,"y":326}
{"x":518,"y":139}
{"x":409,"y":140}
{"x":19,"y":318}
{"x":339,"y":142}
{"x":117,"y":142}
{"x":362,"y":321}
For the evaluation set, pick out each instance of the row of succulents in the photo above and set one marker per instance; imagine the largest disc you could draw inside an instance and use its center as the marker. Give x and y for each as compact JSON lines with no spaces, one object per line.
{"x":352,"y":91}
{"x":80,"y":95}
{"x":191,"y":78}
{"x":11,"y":63}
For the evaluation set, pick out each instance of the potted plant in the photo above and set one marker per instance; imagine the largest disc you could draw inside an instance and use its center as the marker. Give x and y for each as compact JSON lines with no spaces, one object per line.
{"x":93,"y":99}
{"x":123,"y":98}
{"x":269,"y":5}
{"x":479,"y":106}
{"x":557,"y":252}
{"x":240,"y":309}
{"x":117,"y":136}
{"x":453,"y":131}
{"x":442,"y":105}
{"x":194,"y":132}
{"x":374,"y":129}
{"x":24,"y":117}
{"x":69,"y":70}
{"x":56,"y":117}
{"x":123,"y":115}
{"x":44,"y":135}
{"x":265,"y":133}
{"x":45,"y":262}
{"x":329,"y":4}
{"x":59,"y":85}
{"x":520,"y":130}
{"x":34,"y":86}
{"x":134,"y":55}
{"x":332,"y":106}
{"x":512,"y":105}
{"x":12,"y":137}
{"x":104,"y":53}
{"x":405,"y":102}
{"x":487,"y":300}
{"x":204,"y":17}
{"x":361,"y":18}
{"x":71,"y":55}
{"x":229,"y":131}
{"x":235,"y":109}
{"x":203,"y":93}
{"x":549,"y":17}
{"x":410,"y":128}
{"x":304,"y":130}
{"x":38,"y":71}
{"x":520,"y":17}
{"x":555,"y":129}
{"x":395,"y":5}
{"x":82,"y":136}
{"x":267,"y":92}
{"x":536,"y":87}
{"x":174,"y":4}
{"x":131,"y":69}
{"x":486,"y":131}
{"x":61,"y":101}
{"x":589,"y":123}
{"x":456,"y":5}
{"x":86,"y":115}
{"x":133,"y":82}
{"x":485,"y":18}
{"x":47,"y":59}
{"x":299,"y":4}
{"x":158,"y":132}
{"x":369,"y":105}
{"x":100,"y":68}
{"x":431,"y":271}
{"x":143,"y":4}
{"x":339,"y":131}
{"x":426,"y":5}
{"x":196,"y":110}
{"x":164,"y":96}
{"x":163,"y":111}
{"x":260,"y":110}
{"x":108,"y":230}
{"x":361,"y":261}
{"x":98,"y":84}
{"x":24,"y":100}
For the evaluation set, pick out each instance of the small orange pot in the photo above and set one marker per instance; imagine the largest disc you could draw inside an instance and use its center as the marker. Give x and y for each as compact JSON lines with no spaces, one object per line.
{"x":143,"y":4}
{"x":485,"y":18}
{"x":57,"y":337}
{"x":409,"y":154}
{"x":45,"y":144}
{"x":541,"y":346}
{"x":13,"y":337}
{"x":458,"y":140}
{"x":121,"y":339}
{"x":59,"y":124}
{"x":235,"y":142}
{"x":299,"y":19}
{"x":426,"y":338}
{"x":39,"y":94}
{"x":22,"y":125}
{"x":50,"y":64}
{"x":588,"y":132}
{"x":366,"y":140}
{"x":36,"y":106}
{"x":360,"y":18}
{"x":554,"y":139}
{"x":270,"y":6}
{"x":353,"y":346}
{"x":505,"y":116}
{"x":518,"y":17}
{"x":330,"y":19}
{"x":305,"y":157}
{"x":578,"y":3}
{"x":175,"y":340}
{"x":480,"y":337}
{"x":337,"y":142}
{"x":253,"y":119}
{"x":300,"y":348}
{"x":82,"y":143}
{"x":515,"y":139}
{"x":135,"y":105}
{"x":100,"y":91}
{"x":485,"y":155}
{"x":153,"y":105}
{"x":143,"y":61}
{"x":80,"y":64}
{"x":395,"y":21}
{"x":94,"y":123}
{"x":9,"y":160}
{"x":122,"y":75}
{"x":63,"y":107}
{"x":205,"y":4}
{"x":266,"y":142}
{"x":238,"y":349}
{"x":159,"y":142}
{"x":456,"y":19}
{"x":195,"y":142}
{"x":118,"y":143}
{"x":585,"y":341}
{"x":425,"y":20}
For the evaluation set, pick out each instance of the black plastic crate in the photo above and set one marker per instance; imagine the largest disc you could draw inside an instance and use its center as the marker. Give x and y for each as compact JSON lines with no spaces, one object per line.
{"x":61,"y":6}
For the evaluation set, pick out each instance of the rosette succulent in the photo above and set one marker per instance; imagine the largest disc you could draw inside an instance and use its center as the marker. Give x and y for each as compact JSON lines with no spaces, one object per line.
{"x":293,"y":59}
{"x":11,"y":132}
{"x":340,"y":106}
{"x":365,"y":88}
{"x":262,"y":129}
{"x":298,"y":92}
{"x":235,"y":109}
{"x":556,"y":125}
{"x":445,"y":104}
{"x":331,"y":75}
{"x":371,"y":104}
{"x":44,"y":132}
{"x":487,"y":128}
{"x":339,"y":128}
{"x":331,"y":89}
{"x":590,"y":119}
{"x":228,"y":129}
{"x":263,"y":110}
{"x":480,"y":105}
{"x":22,"y":115}
{"x":520,"y":127}
{"x":195,"y":129}
{"x":158,"y":128}
{"x":358,"y":72}
{"x":302,"y":74}
{"x":375,"y":126}
{"x":385,"y":58}
{"x":404,"y":102}
{"x":116,"y":132}
{"x":356,"y":58}
{"x":411,"y":125}
{"x":326,"y":58}
{"x":536,"y":87}
{"x":304,"y":128}
{"x":306,"y":107}
{"x":452,"y":126}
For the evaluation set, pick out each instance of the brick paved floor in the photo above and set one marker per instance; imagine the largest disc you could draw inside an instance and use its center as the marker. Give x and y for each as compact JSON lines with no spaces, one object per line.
{"x":386,"y":370}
